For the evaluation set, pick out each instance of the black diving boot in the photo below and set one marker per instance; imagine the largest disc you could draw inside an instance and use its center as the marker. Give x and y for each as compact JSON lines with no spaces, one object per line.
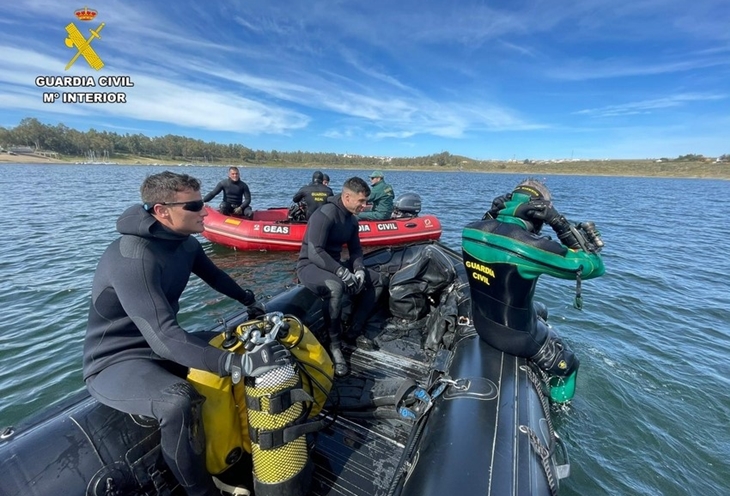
{"x":558,"y":360}
{"x":338,"y":359}
{"x":555,"y":357}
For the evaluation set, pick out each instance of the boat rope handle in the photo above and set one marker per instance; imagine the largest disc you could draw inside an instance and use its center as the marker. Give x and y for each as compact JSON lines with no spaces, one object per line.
{"x":544,"y":455}
{"x":539,"y":387}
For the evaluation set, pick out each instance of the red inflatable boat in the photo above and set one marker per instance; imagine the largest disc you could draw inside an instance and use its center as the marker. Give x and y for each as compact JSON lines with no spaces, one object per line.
{"x":272,"y":230}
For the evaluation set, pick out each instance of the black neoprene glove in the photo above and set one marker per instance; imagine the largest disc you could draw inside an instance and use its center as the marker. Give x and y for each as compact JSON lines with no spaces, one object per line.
{"x":263,"y":358}
{"x":544,"y":211}
{"x":248,"y":298}
{"x":497,"y":205}
{"x":348,"y":278}
{"x":539,"y":210}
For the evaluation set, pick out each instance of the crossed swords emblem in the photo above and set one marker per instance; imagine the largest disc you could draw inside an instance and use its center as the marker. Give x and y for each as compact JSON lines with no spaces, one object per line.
{"x":83,"y":45}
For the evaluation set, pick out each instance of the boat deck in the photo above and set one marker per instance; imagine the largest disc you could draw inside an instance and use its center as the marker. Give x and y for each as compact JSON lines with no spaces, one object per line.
{"x":359,"y":455}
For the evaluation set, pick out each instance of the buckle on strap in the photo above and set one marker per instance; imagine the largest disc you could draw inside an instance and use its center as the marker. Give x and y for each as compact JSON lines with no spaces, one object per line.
{"x":268,"y":440}
{"x":420,"y":400}
{"x":280,"y":401}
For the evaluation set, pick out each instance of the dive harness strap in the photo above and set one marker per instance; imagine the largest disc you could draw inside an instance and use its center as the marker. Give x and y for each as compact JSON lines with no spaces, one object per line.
{"x":272,"y":439}
{"x":279,"y":401}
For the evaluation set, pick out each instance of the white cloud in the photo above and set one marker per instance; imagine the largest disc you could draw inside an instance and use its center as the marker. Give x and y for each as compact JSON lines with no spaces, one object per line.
{"x":647,"y":106}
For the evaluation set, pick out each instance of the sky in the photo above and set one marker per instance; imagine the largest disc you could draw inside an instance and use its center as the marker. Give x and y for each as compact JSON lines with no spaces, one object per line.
{"x":541,"y":79}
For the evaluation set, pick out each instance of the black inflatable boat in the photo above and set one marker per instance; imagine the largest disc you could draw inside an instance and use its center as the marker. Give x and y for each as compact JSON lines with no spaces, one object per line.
{"x":481,"y":426}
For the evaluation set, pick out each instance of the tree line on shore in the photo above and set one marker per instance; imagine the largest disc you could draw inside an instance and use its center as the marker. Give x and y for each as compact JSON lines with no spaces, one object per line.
{"x":70,"y":142}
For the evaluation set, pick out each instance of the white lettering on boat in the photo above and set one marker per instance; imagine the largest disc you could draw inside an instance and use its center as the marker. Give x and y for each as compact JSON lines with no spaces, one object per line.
{"x":277,"y":229}
{"x":389,"y":226}
{"x":364,"y":228}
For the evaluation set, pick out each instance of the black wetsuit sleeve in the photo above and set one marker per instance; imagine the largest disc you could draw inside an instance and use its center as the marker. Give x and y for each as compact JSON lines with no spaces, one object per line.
{"x":299,"y":196}
{"x":355,"y":250}
{"x":216,"y":191}
{"x":246,"y":196}
{"x":216,"y":278}
{"x":318,"y":232}
{"x":140,"y":292}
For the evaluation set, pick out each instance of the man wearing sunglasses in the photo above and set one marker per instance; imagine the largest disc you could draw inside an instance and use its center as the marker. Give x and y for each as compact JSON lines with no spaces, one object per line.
{"x":236,"y":195}
{"x":136,"y":354}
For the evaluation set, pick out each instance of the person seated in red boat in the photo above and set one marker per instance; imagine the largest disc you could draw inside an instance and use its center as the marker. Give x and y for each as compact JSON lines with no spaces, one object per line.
{"x":313,"y":195}
{"x":381,"y":198}
{"x":236,"y":195}
{"x":321,"y":269}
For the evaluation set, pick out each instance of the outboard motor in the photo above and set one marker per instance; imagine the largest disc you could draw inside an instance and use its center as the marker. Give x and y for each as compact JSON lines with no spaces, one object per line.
{"x":406,"y":205}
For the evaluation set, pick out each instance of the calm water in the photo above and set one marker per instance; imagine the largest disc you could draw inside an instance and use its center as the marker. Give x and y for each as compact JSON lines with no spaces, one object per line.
{"x":652,"y":410}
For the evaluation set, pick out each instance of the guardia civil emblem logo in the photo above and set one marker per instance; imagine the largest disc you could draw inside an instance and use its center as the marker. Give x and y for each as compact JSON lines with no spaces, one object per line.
{"x":82,"y":45}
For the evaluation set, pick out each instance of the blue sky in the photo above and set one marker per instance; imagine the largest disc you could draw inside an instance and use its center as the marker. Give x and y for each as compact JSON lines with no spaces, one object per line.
{"x":488,"y":80}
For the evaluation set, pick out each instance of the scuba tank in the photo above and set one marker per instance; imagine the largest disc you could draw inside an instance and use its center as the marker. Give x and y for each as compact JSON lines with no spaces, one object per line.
{"x":276,"y":411}
{"x":226,"y":409}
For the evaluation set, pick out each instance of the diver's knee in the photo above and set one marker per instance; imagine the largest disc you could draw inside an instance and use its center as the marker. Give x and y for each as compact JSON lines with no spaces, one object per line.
{"x":182,"y":398}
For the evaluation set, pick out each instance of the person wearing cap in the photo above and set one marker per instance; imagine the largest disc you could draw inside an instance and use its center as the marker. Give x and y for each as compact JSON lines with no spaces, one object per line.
{"x":381,"y":197}
{"x":314,"y":195}
{"x":504,"y":255}
{"x":325,"y":179}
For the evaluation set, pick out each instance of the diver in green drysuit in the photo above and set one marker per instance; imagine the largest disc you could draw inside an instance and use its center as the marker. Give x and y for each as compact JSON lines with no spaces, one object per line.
{"x":504,"y":256}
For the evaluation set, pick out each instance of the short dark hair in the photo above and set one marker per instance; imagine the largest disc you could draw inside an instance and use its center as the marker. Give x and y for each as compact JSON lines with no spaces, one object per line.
{"x":160,"y":188}
{"x":233,"y":168}
{"x":356,"y":185}
{"x":325,"y":177}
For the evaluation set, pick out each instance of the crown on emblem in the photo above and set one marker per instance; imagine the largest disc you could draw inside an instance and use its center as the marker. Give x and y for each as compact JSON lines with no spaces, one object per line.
{"x":85,"y":14}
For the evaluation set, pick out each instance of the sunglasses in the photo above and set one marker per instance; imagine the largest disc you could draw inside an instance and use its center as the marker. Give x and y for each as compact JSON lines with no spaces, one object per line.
{"x":190,"y":206}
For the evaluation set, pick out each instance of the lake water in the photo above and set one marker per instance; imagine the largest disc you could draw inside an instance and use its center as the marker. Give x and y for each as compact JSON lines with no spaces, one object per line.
{"x":652,"y":409}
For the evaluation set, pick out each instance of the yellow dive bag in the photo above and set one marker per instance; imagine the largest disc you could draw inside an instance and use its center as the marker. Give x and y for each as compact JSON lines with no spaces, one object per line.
{"x":225,"y":413}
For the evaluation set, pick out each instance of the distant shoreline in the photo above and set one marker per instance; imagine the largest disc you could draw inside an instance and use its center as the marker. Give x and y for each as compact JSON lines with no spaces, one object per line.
{"x":627,"y":168}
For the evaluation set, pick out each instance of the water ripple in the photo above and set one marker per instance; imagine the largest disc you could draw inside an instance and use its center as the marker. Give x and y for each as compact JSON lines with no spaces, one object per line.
{"x":650,"y":414}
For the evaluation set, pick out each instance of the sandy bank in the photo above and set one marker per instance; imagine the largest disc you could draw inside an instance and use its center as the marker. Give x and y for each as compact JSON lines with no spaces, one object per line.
{"x":28,"y":159}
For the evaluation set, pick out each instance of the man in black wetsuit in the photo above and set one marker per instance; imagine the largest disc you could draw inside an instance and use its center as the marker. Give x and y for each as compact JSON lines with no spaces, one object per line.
{"x":136,"y":355}
{"x":314,"y":195}
{"x":321,"y":270}
{"x":326,"y":180}
{"x":236,"y":195}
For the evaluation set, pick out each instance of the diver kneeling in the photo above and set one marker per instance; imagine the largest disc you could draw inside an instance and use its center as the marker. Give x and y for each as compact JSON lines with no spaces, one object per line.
{"x":504,"y":256}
